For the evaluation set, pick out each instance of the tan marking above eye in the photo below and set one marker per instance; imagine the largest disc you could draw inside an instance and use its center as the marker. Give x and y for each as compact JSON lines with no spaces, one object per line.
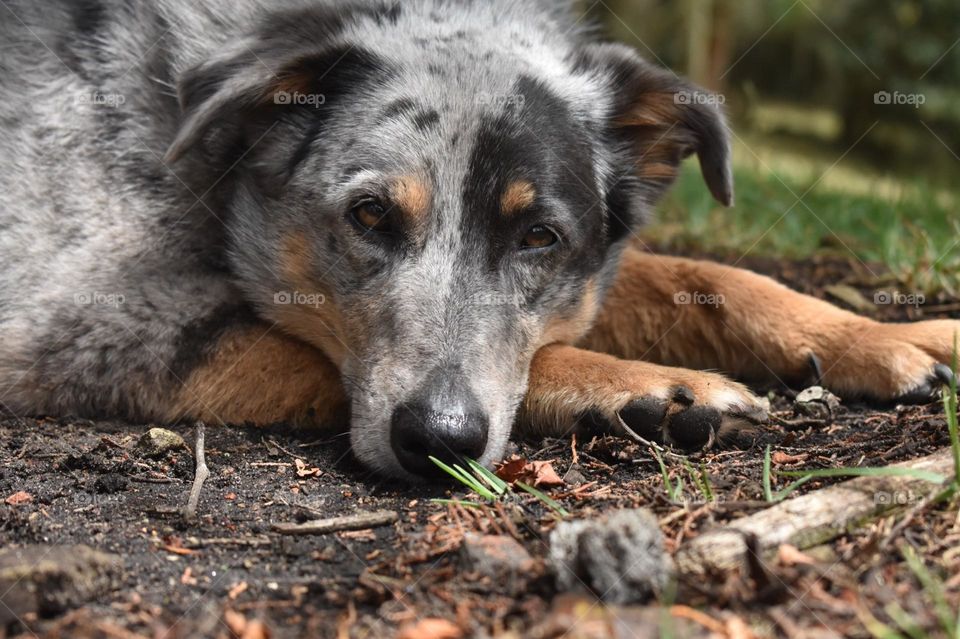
{"x":518,"y":196}
{"x":412,"y":194}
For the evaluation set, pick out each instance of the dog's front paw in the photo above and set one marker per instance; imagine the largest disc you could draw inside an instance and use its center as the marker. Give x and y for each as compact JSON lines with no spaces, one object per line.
{"x":904,"y":363}
{"x":572,"y":389}
{"x":692,"y":413}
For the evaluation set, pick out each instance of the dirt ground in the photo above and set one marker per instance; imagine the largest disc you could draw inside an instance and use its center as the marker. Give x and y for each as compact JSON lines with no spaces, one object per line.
{"x":75,"y":482}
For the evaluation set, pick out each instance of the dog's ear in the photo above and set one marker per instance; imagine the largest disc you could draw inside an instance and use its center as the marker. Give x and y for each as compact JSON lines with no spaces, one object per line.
{"x":662,"y":119}
{"x":297,"y":53}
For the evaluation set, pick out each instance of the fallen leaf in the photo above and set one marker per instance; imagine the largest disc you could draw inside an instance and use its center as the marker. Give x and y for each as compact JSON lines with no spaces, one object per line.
{"x":430,"y":629}
{"x":791,"y":556}
{"x":545,"y":475}
{"x":256,"y":630}
{"x":536,"y":473}
{"x":235,"y":621}
{"x":19,"y":498}
{"x":305,"y":471}
{"x":780,"y":458}
{"x":237,"y":590}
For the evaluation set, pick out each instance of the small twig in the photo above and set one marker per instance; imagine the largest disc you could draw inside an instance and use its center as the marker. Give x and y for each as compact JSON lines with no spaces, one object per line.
{"x":228,"y":541}
{"x":360,"y":521}
{"x":200,"y":475}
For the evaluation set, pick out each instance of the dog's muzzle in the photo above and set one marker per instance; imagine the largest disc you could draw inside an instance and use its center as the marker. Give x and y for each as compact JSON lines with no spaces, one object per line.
{"x":443,"y":419}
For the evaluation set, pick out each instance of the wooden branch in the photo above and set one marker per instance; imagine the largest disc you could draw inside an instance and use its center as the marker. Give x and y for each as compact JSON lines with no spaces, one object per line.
{"x":813,"y":518}
{"x":359,"y":521}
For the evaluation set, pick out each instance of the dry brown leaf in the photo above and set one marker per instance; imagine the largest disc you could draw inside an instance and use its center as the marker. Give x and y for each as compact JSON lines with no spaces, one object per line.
{"x":431,"y":629}
{"x":235,"y":621}
{"x":305,"y":471}
{"x":19,"y":498}
{"x":791,"y":556}
{"x":237,"y":590}
{"x":780,"y":458}
{"x":536,"y":473}
{"x":256,"y":629}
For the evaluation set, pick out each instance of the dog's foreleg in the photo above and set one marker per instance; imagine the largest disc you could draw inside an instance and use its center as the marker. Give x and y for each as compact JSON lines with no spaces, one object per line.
{"x":259,"y":375}
{"x":705,"y":315}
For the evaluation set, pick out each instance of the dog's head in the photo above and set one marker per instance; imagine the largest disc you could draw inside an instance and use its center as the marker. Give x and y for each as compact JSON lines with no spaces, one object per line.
{"x":431,"y":195}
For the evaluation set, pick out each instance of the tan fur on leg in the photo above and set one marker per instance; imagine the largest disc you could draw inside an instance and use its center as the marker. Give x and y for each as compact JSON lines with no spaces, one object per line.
{"x":259,"y":375}
{"x":709,"y":316}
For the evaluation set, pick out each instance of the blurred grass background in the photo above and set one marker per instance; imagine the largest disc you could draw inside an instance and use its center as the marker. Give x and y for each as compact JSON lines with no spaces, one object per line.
{"x":821,"y":164}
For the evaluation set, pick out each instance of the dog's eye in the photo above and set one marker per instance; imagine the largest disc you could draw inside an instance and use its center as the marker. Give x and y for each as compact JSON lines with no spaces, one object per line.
{"x":538,"y":237}
{"x":371,"y":216}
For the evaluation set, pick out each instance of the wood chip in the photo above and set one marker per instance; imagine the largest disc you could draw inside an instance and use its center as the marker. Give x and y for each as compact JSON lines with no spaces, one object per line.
{"x":19,"y":498}
{"x":431,"y":629}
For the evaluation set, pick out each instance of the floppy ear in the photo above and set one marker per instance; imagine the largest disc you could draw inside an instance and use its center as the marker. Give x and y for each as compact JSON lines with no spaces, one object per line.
{"x":297,"y":52}
{"x":661,"y":120}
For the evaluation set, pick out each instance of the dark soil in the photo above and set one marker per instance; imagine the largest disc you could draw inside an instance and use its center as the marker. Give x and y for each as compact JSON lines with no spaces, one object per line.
{"x":230,"y":575}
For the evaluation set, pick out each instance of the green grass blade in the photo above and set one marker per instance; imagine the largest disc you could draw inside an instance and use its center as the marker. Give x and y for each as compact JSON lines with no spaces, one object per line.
{"x":933,"y":588}
{"x":950,"y":407}
{"x":498,"y":485}
{"x":457,"y":502}
{"x":902,"y":619}
{"x":560,"y":510}
{"x":925,"y":475}
{"x":790,"y":488}
{"x":705,"y":478}
{"x":464,"y":478}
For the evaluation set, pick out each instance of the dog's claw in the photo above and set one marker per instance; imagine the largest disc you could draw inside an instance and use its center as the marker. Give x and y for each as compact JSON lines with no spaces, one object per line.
{"x":944,"y":374}
{"x":931,"y":389}
{"x":684,"y":396}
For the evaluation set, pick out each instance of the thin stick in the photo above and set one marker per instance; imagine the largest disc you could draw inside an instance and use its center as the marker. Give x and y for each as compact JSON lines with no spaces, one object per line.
{"x":200,"y":475}
{"x":360,"y":521}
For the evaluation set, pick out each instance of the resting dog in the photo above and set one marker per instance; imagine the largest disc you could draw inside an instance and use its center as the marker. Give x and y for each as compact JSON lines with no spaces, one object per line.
{"x":415,"y":216}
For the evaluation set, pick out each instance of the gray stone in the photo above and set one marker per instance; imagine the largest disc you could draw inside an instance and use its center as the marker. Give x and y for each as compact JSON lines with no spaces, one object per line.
{"x":157,"y":442}
{"x":50,"y":579}
{"x":619,"y":557}
{"x":816,"y":402}
{"x":499,"y":557}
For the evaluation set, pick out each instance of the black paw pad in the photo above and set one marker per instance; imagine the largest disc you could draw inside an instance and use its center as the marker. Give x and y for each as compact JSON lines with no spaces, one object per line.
{"x":645,"y":417}
{"x":692,"y":428}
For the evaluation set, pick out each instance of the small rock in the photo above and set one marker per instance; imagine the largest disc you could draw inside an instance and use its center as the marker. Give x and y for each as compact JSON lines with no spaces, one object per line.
{"x":620,"y":557}
{"x":816,"y":403}
{"x":499,"y":557}
{"x":111,"y":483}
{"x":50,"y":579}
{"x":573,"y":476}
{"x":157,"y":442}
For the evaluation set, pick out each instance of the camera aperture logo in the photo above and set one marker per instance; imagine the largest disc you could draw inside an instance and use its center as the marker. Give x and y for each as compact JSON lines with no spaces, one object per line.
{"x":96,"y":298}
{"x":296,"y":98}
{"x":896,"y":298}
{"x":896,"y":98}
{"x":102,"y":99}
{"x":700,"y":98}
{"x":696,"y":298}
{"x":297,"y":298}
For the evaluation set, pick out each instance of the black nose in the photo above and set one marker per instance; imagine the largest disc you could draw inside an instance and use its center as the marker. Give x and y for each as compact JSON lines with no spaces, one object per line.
{"x":444,"y":420}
